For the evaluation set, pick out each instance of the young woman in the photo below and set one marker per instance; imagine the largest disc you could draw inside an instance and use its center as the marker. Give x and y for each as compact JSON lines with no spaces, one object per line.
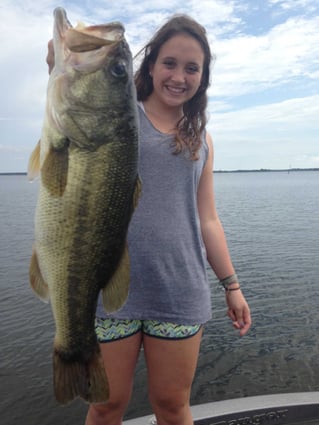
{"x":174,"y":230}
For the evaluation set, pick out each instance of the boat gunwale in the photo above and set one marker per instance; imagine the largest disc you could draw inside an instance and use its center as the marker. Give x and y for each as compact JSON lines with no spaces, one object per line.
{"x":269,"y":409}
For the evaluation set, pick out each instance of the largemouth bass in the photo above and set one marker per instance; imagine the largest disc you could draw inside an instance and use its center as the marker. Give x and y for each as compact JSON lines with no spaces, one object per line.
{"x":87,"y":160}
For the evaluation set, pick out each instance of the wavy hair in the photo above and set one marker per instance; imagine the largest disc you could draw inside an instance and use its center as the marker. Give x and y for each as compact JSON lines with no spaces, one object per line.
{"x":190,"y":127}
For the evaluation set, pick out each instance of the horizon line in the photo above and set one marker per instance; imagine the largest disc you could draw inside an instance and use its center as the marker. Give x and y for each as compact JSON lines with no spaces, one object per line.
{"x":248,"y":170}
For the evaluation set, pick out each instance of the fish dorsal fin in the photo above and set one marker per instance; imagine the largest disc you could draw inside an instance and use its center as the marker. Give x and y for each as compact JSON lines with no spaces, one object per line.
{"x":34,"y":163}
{"x":115,"y":292}
{"x":37,"y":282}
{"x":54,"y":171}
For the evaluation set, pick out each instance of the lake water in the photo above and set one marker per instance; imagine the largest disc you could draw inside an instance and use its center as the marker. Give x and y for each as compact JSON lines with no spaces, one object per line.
{"x":271,"y":222}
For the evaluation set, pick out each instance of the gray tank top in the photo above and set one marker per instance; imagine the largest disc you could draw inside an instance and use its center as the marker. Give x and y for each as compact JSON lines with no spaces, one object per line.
{"x":167,"y":254}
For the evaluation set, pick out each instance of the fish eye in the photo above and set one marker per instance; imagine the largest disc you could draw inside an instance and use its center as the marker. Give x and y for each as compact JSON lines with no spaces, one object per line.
{"x":118,"y":69}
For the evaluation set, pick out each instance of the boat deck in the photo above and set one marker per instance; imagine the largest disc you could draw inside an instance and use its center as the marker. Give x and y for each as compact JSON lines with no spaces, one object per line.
{"x":276,"y":409}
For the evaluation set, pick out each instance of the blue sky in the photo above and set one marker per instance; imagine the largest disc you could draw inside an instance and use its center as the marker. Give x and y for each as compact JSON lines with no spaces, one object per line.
{"x":264,"y":94}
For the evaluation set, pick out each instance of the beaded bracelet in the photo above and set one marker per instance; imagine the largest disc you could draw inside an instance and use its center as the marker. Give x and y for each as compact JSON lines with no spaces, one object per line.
{"x":229,"y":280}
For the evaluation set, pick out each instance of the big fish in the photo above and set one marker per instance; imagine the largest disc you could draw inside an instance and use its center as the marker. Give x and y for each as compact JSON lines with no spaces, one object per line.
{"x":87,"y":160}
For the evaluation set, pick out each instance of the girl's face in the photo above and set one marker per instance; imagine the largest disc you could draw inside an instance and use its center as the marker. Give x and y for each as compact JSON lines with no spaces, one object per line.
{"x":178,"y":69}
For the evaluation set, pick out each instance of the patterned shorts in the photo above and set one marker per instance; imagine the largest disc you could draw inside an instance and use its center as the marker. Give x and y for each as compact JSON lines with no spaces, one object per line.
{"x":113,"y":329}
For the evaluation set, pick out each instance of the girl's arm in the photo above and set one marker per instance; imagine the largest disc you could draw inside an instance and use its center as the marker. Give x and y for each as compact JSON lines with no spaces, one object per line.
{"x":216,"y":246}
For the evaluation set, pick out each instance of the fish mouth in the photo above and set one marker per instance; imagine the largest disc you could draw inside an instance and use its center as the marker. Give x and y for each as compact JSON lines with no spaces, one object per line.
{"x":83,"y":48}
{"x":85,"y":38}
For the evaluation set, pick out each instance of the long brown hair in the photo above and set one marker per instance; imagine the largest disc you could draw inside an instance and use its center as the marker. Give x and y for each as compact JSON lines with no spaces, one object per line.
{"x":190,"y":127}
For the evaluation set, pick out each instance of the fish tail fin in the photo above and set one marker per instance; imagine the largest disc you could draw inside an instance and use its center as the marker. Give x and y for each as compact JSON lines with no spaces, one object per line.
{"x":80,"y":378}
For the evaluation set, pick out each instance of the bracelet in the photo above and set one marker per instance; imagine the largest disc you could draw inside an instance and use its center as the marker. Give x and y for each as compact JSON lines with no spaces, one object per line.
{"x":232,"y":289}
{"x":229,"y":280}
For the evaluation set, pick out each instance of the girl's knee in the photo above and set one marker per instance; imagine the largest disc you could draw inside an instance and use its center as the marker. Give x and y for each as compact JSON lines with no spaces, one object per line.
{"x":101,"y":413}
{"x":171,"y":410}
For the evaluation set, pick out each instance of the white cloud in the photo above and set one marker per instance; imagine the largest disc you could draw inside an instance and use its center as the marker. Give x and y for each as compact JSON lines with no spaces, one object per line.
{"x":277,"y":133}
{"x":251,"y":63}
{"x":263,"y":96}
{"x":286,"y":5}
{"x":297,"y":113}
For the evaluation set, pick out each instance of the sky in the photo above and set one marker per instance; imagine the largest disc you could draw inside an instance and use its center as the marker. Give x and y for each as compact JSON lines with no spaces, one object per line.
{"x":263,"y":109}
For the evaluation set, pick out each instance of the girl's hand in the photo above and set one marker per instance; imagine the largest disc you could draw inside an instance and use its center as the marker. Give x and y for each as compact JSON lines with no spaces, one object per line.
{"x":238,"y":311}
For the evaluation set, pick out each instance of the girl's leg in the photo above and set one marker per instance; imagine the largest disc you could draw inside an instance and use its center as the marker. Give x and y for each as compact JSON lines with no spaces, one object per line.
{"x":120,"y":359}
{"x":171,"y":368}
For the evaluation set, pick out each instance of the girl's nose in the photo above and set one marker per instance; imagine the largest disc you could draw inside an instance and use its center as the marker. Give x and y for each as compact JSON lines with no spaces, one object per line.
{"x":178,"y":75}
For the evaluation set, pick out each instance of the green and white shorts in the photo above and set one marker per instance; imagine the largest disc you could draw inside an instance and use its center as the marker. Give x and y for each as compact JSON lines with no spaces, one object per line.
{"x":113,"y":329}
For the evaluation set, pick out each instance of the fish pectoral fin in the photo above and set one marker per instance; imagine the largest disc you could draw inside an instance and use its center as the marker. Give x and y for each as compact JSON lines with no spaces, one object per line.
{"x":54,"y":171}
{"x":37,"y":282}
{"x":34,"y":163}
{"x":137,"y":192}
{"x":115,"y":293}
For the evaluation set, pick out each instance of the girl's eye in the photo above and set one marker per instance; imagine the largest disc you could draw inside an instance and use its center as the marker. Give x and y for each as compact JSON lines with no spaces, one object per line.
{"x":169,"y":64}
{"x":192,"y":69}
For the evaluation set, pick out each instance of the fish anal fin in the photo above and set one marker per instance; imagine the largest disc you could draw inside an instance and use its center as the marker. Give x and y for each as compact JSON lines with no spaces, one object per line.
{"x":115,"y":293}
{"x":37,"y":282}
{"x":34,"y":163}
{"x":85,"y":378}
{"x":54,"y":171}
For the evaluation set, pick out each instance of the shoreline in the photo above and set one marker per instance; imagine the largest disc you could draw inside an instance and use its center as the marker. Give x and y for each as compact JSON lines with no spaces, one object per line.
{"x":268,"y":170}
{"x":260,"y":170}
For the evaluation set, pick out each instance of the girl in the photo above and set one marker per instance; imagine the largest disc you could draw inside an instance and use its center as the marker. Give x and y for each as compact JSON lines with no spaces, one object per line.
{"x":174,"y":229}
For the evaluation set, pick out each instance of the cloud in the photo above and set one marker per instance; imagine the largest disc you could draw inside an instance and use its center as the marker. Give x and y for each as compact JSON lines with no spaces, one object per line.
{"x":249,"y":63}
{"x":273,"y":134}
{"x":299,"y":113}
{"x":288,"y":5}
{"x":265,"y":80}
